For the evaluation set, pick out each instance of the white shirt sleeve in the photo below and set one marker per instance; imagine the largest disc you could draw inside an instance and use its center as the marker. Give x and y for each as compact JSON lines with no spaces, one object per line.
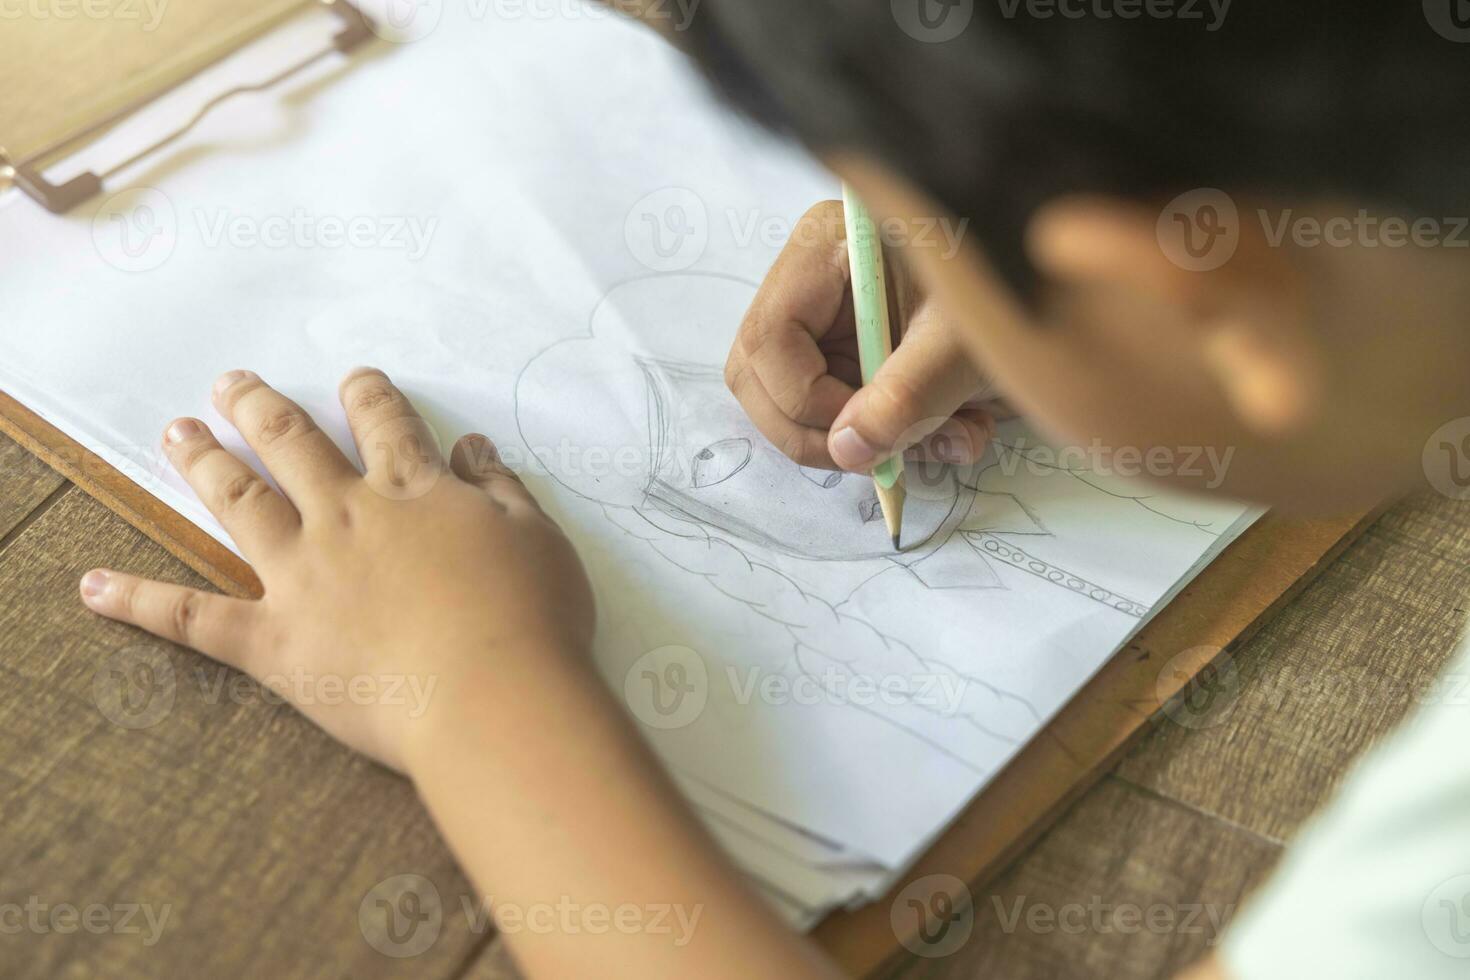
{"x":1377,"y":886}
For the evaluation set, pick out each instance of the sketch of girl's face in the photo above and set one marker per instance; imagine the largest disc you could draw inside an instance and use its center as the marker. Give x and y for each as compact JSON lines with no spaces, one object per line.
{"x":711,"y":465}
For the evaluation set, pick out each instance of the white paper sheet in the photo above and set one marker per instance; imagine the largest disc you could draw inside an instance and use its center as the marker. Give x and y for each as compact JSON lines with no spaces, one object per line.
{"x":543,"y":229}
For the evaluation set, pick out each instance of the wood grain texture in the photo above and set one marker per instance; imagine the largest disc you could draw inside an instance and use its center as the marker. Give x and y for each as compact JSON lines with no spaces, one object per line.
{"x":260,"y":835}
{"x":25,"y":482}
{"x":181,"y":538}
{"x":1326,"y":679}
{"x":1126,"y":886}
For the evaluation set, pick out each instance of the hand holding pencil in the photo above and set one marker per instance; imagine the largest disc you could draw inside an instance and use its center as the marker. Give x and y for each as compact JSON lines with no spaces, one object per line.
{"x":795,"y":369}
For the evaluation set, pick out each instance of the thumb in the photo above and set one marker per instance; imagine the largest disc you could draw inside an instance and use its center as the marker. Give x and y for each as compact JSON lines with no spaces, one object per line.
{"x":914,"y":399}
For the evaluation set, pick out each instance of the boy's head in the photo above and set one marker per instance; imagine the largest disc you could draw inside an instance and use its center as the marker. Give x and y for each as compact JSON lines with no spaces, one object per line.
{"x":1189,"y":223}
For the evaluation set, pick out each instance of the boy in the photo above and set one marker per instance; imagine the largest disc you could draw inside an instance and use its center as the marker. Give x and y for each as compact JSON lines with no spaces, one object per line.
{"x":1107,"y":291}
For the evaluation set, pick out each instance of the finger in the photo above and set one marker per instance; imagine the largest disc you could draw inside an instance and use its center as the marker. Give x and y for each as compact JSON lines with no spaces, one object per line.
{"x":254,"y":514}
{"x":800,"y":302}
{"x":803,"y":444}
{"x":961,"y":439}
{"x":475,"y":460}
{"x":213,"y":624}
{"x":305,"y":462}
{"x":399,"y":450}
{"x":920,"y":386}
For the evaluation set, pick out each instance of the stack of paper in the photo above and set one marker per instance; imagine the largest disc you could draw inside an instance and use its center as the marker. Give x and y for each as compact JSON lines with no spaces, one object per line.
{"x":541,"y":226}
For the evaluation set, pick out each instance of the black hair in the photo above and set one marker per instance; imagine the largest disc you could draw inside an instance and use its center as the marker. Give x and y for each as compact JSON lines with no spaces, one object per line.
{"x":1286,"y":99}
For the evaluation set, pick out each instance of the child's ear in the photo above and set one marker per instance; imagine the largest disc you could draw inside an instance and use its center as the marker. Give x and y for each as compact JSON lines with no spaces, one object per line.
{"x":1246,"y":317}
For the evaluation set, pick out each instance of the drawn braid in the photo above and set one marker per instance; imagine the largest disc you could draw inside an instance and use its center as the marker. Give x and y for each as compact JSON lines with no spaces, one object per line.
{"x":821,"y":634}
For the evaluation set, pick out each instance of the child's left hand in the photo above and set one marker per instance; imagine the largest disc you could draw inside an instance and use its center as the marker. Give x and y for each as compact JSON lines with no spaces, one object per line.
{"x":416,"y":570}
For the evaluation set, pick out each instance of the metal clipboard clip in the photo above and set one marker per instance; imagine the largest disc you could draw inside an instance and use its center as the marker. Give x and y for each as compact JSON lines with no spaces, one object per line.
{"x":58,"y":198}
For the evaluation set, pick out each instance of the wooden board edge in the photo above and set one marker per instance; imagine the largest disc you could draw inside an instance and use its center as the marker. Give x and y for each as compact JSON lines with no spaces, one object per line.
{"x":1222,"y":608}
{"x":178,"y":535}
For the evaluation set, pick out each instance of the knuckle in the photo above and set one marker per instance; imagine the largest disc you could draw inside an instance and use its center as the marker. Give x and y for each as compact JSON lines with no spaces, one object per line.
{"x":793,"y":400}
{"x":752,"y":334}
{"x":735,"y":362}
{"x":499,"y":471}
{"x":183,"y":614}
{"x":282,"y":423}
{"x":240,"y":490}
{"x":194,"y":455}
{"x":793,"y":445}
{"x":737,"y":377}
{"x":372,"y":395}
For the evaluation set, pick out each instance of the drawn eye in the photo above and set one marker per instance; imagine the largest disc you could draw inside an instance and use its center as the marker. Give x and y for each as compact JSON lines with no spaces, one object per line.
{"x":719,"y":461}
{"x":826,"y":479}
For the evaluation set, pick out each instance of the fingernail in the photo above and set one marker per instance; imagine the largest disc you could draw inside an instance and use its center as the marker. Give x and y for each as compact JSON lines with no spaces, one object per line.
{"x":229,"y":378}
{"x":850,"y":450}
{"x":183,"y":429}
{"x":94,"y":583}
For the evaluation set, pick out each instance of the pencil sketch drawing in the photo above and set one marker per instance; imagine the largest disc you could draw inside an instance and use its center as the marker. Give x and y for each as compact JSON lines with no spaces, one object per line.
{"x":793,"y":545}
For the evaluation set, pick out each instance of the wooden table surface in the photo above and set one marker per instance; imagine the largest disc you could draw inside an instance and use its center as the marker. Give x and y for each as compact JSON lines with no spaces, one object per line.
{"x":261,"y":839}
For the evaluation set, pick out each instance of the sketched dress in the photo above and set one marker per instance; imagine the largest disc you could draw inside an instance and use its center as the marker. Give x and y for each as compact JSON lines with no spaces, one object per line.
{"x":691,"y":478}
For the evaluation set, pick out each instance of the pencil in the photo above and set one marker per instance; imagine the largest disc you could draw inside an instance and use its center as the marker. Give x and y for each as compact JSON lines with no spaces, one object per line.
{"x":875,"y":340}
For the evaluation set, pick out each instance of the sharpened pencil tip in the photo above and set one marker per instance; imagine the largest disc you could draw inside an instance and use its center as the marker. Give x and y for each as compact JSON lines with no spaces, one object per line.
{"x":895,"y":543}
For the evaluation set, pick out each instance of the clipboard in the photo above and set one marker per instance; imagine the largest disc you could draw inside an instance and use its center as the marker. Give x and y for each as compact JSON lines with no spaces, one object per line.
{"x":1218,"y":611}
{"x":134,"y":77}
